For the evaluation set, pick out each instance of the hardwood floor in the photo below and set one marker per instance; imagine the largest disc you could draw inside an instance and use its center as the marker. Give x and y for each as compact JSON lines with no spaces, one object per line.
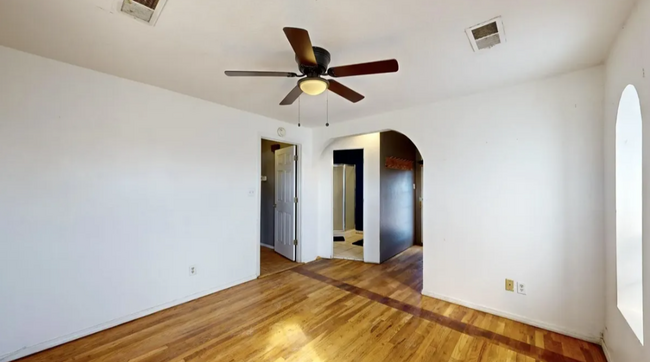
{"x":329,"y":310}
{"x":272,"y":262}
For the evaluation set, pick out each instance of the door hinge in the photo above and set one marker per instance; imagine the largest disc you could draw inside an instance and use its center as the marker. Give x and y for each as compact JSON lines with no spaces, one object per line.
{"x":295,"y":242}
{"x":295,"y":157}
{"x":295,"y":200}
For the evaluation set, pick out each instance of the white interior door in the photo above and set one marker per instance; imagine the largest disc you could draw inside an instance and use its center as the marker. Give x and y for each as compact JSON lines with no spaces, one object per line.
{"x":285,"y":202}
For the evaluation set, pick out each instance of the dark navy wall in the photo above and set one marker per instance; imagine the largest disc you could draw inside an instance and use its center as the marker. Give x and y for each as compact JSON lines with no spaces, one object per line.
{"x":354,"y":157}
{"x":397,"y":203}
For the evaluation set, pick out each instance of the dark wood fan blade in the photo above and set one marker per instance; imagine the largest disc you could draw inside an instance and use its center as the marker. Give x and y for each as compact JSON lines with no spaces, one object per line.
{"x":292,"y":96}
{"x":245,"y":73}
{"x":301,"y":44}
{"x":344,"y":91}
{"x":382,"y":66}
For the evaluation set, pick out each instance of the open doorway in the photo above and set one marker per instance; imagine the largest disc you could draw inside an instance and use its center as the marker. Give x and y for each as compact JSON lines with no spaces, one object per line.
{"x":347,"y":204}
{"x":390,"y":193}
{"x":278,"y":209}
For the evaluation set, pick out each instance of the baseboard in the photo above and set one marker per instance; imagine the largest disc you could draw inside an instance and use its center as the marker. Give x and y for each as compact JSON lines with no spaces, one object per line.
{"x":268,"y":246}
{"x":608,"y":355}
{"x":515,"y":317}
{"x":98,"y":328}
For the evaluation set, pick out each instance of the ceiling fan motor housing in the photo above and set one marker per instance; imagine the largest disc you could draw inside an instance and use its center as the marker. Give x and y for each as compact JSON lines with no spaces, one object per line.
{"x":322,"y":58}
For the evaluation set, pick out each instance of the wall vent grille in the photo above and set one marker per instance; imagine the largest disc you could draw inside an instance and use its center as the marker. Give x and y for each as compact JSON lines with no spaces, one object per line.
{"x":145,"y":10}
{"x":151,"y":4}
{"x":486,"y":35}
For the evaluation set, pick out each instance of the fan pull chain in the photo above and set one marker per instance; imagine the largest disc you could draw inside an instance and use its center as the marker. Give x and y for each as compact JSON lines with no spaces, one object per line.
{"x":328,"y":110}
{"x":298,"y":111}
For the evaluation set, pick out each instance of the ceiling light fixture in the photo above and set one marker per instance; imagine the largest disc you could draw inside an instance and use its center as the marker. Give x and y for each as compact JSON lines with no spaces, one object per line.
{"x":313,"y":86}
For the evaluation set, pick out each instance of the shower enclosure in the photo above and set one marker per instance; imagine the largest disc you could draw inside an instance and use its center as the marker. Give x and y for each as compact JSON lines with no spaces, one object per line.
{"x":344,"y":203}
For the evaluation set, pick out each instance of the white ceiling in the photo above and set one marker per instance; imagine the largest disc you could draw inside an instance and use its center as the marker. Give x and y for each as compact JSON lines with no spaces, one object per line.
{"x":194,"y":41}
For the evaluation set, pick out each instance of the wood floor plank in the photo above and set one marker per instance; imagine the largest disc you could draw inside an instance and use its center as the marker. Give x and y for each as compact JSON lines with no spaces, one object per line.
{"x":273,"y":263}
{"x":329,"y":310}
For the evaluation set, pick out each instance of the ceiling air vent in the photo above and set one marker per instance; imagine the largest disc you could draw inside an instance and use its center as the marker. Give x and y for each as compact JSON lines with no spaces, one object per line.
{"x":145,"y":10}
{"x":486,"y":35}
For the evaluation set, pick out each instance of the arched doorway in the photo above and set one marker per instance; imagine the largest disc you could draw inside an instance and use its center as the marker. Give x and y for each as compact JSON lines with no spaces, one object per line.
{"x":392,"y":194}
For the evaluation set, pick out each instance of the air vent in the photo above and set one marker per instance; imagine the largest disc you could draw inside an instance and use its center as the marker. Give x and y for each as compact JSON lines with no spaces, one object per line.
{"x":486,"y":35}
{"x":151,"y":4}
{"x":145,"y":10}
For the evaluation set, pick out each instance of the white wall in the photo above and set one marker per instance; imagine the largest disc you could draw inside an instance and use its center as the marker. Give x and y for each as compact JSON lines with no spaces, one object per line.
{"x":512,"y":189}
{"x":628,"y":63}
{"x":370,"y":145}
{"x":111,"y":189}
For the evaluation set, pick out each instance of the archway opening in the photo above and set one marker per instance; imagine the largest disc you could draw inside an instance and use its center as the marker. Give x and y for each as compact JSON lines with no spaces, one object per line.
{"x":392,"y":196}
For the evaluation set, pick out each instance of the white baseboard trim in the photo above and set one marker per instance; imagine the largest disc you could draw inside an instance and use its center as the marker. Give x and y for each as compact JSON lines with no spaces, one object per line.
{"x":268,"y":246}
{"x":26,"y":351}
{"x":515,"y":317}
{"x":608,"y":355}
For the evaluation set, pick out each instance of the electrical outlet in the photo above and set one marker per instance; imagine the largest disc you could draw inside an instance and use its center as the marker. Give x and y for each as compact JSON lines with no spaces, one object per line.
{"x":193,"y":270}
{"x":510,"y":285}
{"x":521,"y":288}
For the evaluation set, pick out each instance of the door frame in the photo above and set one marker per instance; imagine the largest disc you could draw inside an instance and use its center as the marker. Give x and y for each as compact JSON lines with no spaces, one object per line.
{"x":258,"y":172}
{"x":345,"y":201}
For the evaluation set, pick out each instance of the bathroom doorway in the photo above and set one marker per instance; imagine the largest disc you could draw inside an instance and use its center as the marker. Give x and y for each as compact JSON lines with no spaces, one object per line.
{"x":347,"y":212}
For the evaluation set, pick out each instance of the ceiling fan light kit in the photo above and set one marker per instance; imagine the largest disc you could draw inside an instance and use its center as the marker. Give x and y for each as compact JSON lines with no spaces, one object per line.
{"x":313,"y":63}
{"x":313,"y":86}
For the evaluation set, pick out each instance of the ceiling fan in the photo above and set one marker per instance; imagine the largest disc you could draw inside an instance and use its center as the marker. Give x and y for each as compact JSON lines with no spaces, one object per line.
{"x":313,"y":64}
